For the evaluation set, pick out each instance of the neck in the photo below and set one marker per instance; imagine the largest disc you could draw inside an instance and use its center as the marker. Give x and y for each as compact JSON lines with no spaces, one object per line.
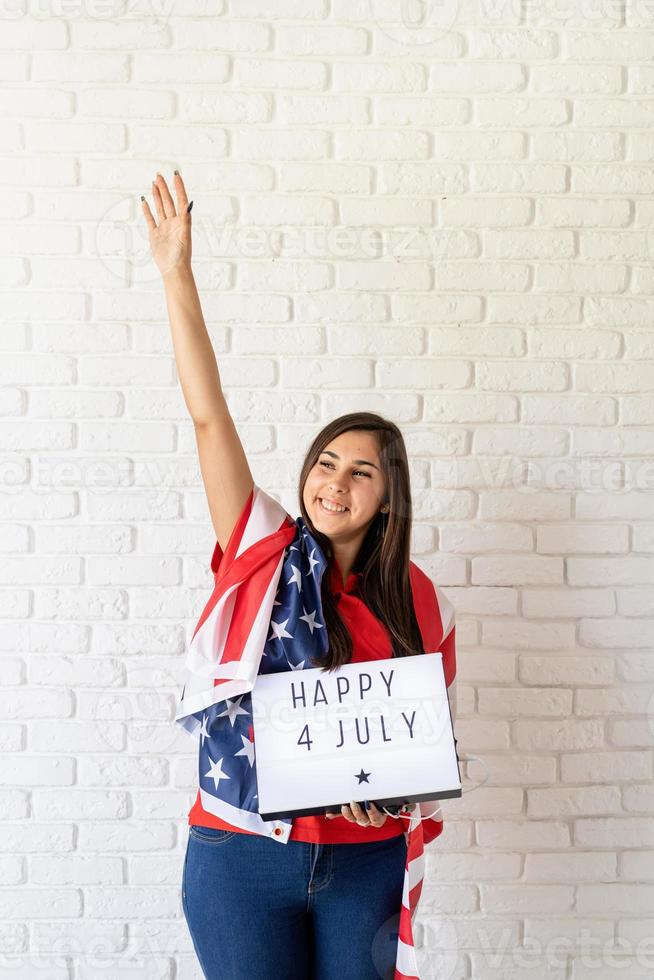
{"x":346,"y":552}
{"x":345,"y":558}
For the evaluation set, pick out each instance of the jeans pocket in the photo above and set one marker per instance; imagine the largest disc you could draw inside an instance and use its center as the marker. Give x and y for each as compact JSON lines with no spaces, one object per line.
{"x":211,"y":835}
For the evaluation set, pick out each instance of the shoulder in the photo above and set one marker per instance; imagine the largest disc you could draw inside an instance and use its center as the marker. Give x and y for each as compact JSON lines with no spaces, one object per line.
{"x":422,"y":585}
{"x":261,"y":518}
{"x":428,"y":595}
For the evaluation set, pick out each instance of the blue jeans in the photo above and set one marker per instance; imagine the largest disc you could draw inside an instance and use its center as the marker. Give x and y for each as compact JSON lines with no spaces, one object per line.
{"x":260,"y":910}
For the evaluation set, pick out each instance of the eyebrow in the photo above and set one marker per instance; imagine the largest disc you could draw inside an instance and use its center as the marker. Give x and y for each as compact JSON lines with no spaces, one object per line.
{"x":366,"y":462}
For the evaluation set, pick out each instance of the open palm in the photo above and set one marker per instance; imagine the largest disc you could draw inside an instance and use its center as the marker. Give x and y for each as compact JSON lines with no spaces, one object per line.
{"x":170,"y":234}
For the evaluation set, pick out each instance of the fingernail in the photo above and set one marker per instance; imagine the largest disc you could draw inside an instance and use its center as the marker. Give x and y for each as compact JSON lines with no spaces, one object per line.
{"x":177,"y":172}
{"x":189,"y":207}
{"x":142,"y":198}
{"x":366,"y":803}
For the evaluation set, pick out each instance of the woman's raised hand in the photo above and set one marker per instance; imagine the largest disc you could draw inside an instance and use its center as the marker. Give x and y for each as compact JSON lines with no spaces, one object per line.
{"x":170,"y":235}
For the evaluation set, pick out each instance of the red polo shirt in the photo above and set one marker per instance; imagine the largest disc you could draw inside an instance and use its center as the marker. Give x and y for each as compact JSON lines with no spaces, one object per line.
{"x":370,"y":641}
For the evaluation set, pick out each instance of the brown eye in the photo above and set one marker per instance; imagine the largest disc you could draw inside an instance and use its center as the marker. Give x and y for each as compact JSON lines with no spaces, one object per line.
{"x":324,"y":462}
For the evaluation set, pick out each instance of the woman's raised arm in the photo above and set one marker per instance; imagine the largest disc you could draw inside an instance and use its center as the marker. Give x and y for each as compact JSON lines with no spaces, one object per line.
{"x":225,"y":470}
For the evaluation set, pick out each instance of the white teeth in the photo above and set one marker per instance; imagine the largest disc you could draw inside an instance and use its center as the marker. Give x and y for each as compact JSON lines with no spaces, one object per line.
{"x":332,"y":507}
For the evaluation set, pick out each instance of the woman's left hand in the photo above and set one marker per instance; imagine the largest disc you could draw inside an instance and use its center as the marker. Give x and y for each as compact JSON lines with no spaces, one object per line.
{"x":358,"y":814}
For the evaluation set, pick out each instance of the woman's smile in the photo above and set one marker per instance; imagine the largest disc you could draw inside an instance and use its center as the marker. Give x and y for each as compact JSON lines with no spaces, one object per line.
{"x":328,"y":507}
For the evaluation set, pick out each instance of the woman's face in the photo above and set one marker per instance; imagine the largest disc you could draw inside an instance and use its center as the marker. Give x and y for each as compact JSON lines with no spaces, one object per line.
{"x":338,"y":478}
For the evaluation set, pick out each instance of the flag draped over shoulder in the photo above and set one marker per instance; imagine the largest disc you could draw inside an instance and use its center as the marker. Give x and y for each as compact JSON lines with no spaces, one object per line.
{"x":227,"y":644}
{"x":272,"y":561}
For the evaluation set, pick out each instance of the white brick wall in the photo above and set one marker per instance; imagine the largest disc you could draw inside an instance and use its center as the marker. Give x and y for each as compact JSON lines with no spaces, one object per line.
{"x":439,"y":211}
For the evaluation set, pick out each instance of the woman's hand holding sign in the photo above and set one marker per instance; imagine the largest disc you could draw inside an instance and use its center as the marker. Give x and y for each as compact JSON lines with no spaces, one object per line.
{"x":374,"y":817}
{"x":355,"y":813}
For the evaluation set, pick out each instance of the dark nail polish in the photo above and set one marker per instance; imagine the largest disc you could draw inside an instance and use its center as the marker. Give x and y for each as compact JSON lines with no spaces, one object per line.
{"x":177,"y":172}
{"x":189,"y":207}
{"x":142,"y":198}
{"x":366,"y":803}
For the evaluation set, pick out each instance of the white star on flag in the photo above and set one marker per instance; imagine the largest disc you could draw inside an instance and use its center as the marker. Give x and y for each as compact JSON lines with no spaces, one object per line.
{"x":312,"y":561}
{"x":296,"y":578}
{"x":247,"y":750}
{"x":310,"y":620}
{"x":279,"y":630}
{"x":216,"y":772}
{"x":233,"y":710}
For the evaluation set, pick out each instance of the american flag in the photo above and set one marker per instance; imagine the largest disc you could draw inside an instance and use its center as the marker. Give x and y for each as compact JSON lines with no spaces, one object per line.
{"x":265,"y":615}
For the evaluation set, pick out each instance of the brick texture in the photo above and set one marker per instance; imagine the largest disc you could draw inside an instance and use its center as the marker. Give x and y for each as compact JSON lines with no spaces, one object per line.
{"x":438,"y":211}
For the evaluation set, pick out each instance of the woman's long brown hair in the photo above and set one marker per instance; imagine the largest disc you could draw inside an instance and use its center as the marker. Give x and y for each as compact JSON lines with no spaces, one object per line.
{"x":385,"y":551}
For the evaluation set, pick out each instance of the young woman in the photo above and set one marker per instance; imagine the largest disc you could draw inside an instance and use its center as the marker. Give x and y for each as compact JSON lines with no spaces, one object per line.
{"x":326,"y":904}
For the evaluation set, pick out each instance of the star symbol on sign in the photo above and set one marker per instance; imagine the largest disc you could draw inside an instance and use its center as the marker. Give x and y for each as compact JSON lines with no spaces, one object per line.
{"x":279,"y":630}
{"x":362,"y":776}
{"x":203,"y":730}
{"x":233,"y":710}
{"x":247,"y":750}
{"x":215,"y":772}
{"x":310,"y":619}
